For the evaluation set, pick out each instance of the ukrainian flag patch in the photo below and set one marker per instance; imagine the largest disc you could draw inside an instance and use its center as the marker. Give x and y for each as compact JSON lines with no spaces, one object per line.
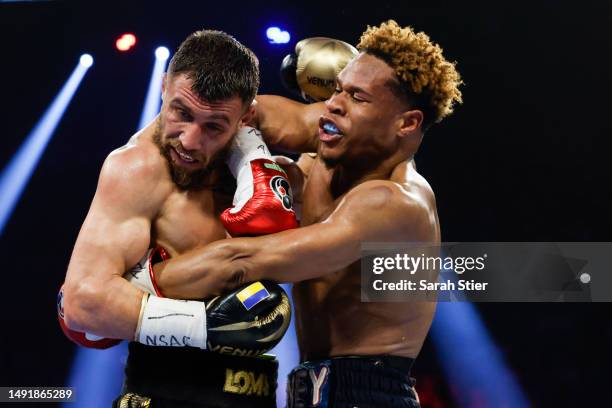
{"x":252,"y":295}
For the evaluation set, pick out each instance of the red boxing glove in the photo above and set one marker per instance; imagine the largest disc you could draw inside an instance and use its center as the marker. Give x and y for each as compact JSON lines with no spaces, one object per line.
{"x":80,"y":338}
{"x":269,"y":205}
{"x":262,"y":203}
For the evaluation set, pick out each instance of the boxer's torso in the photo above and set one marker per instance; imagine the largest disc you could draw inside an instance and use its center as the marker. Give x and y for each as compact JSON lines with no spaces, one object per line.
{"x":188,"y":219}
{"x":331,"y":319}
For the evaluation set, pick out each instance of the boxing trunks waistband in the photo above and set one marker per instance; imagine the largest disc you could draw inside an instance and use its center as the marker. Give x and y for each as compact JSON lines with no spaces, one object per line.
{"x":190,"y":377}
{"x":352,"y":381}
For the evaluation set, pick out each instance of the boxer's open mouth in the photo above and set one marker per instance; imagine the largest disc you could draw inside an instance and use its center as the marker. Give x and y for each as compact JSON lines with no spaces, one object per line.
{"x":184,"y":157}
{"x":328,"y":130}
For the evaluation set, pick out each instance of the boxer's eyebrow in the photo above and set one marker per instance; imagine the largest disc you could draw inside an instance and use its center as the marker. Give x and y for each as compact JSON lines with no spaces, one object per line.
{"x":352,"y":88}
{"x":220,"y":116}
{"x":357,"y":89}
{"x":179,"y":103}
{"x":215,"y":116}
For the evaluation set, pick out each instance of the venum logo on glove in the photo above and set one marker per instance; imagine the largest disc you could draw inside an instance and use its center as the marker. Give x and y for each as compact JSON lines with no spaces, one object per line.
{"x":324,"y":83}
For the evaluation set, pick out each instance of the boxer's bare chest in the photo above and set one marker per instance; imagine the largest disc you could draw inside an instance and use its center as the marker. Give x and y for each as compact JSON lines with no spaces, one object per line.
{"x":319,"y":300}
{"x":331,"y":319}
{"x":317,"y":201}
{"x":188,"y":219}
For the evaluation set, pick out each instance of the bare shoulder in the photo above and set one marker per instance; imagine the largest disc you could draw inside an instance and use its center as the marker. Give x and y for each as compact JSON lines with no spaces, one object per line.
{"x":399,"y":210}
{"x":135,"y":172}
{"x":385,"y":194}
{"x":138,"y":157}
{"x":415,"y":185}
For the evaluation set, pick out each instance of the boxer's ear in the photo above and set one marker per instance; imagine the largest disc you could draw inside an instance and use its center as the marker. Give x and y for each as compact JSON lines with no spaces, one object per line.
{"x":408,"y":122}
{"x":249,"y":115}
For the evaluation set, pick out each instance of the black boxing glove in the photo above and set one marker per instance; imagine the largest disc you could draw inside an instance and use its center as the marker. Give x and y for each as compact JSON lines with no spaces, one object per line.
{"x":249,"y":321}
{"x":288,"y":74}
{"x":311,"y":72}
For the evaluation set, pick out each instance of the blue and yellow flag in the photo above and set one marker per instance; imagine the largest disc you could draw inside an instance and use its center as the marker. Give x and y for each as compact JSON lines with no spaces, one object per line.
{"x":252,"y":295}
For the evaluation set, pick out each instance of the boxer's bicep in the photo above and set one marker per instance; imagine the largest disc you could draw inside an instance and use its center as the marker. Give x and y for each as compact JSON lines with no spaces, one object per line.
{"x":114,"y":236}
{"x":116,"y":230}
{"x":288,"y":125}
{"x":108,"y":243}
{"x":96,"y":298}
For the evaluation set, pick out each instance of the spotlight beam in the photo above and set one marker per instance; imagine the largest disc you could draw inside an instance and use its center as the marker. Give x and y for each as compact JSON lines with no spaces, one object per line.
{"x":153,"y":98}
{"x":17,"y":173}
{"x":473,"y":364}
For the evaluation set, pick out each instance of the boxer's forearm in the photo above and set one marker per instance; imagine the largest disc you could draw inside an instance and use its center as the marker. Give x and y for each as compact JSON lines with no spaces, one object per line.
{"x":200,"y":273}
{"x":376,"y":211}
{"x":288,"y":125}
{"x":108,"y":308}
{"x":300,"y":254}
{"x":289,"y":256}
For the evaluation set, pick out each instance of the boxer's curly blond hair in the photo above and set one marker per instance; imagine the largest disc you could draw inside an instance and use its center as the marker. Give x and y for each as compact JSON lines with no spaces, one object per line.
{"x":425,"y":76}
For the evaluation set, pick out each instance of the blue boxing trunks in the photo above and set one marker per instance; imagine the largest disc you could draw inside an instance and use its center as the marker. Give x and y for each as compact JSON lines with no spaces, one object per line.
{"x":352,"y":382}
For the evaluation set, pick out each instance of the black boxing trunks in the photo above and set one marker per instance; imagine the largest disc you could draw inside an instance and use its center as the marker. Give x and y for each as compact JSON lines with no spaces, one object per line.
{"x":186,"y":377}
{"x":352,"y":382}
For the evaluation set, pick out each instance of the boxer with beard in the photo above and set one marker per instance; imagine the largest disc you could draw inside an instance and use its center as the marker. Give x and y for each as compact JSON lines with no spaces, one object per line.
{"x":167,"y":192}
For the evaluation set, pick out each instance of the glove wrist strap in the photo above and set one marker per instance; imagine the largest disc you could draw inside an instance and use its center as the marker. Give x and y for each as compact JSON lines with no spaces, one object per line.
{"x":247,"y":145}
{"x":143,"y":303}
{"x":173,"y":323}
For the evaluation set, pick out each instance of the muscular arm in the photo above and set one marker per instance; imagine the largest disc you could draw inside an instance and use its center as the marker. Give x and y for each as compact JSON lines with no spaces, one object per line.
{"x":374,"y":211}
{"x":288,"y":125}
{"x":114,"y":236}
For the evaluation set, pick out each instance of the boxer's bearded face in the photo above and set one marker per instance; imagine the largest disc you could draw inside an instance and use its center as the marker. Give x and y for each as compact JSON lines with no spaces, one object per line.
{"x":360,"y":124}
{"x":185,"y":176}
{"x":194,"y":135}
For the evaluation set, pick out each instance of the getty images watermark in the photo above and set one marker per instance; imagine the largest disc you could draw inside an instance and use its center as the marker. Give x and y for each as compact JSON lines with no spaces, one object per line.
{"x":487,"y":272}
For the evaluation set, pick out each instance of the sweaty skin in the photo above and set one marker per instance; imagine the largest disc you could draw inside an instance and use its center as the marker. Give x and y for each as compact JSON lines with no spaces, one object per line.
{"x":137,"y":204}
{"x":372,"y":193}
{"x":331,"y":304}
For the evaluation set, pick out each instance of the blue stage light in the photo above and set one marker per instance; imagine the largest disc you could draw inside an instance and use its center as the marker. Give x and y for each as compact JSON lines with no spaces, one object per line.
{"x":473,"y":364}
{"x":287,"y":353}
{"x":153,"y":98}
{"x":17,"y":173}
{"x":86,"y":60}
{"x":277,"y":36}
{"x":162,"y":53}
{"x":97,"y":376}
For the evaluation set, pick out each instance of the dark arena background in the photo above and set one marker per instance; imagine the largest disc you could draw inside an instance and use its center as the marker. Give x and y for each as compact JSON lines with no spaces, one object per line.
{"x":523,"y":159}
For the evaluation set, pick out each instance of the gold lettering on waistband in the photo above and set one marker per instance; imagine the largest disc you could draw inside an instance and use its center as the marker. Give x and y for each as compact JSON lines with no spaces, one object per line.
{"x":246,"y":383}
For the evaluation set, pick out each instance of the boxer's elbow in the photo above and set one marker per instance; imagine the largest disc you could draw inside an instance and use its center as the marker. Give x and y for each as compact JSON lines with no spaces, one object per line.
{"x":83,"y":304}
